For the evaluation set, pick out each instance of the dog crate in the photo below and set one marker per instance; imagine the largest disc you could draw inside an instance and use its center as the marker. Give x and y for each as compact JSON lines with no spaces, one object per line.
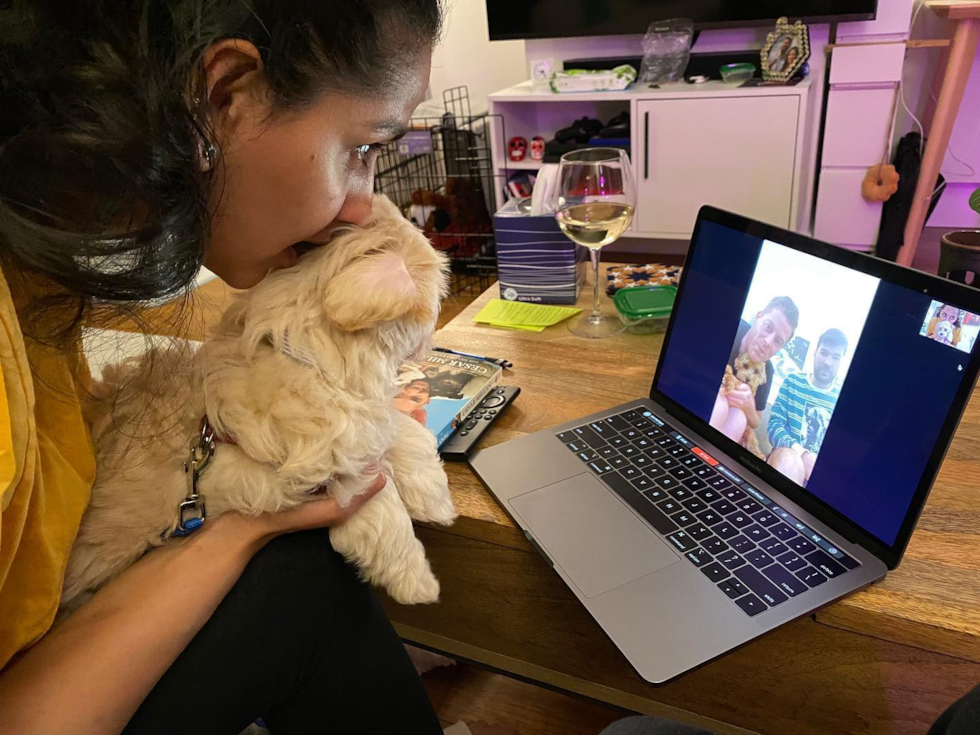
{"x":440,"y":174}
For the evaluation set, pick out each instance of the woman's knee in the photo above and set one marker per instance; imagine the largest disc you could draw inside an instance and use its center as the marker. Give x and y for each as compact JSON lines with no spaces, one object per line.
{"x":299,"y":577}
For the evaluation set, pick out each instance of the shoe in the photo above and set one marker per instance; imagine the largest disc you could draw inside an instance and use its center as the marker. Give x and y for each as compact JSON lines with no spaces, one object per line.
{"x":618,"y":127}
{"x":579,"y":131}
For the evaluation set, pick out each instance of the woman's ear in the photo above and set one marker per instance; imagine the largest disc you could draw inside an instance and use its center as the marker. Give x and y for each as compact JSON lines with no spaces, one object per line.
{"x":236,"y":88}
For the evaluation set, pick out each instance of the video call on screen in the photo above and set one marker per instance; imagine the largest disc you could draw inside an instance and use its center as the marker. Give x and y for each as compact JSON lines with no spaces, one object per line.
{"x":838,"y":380}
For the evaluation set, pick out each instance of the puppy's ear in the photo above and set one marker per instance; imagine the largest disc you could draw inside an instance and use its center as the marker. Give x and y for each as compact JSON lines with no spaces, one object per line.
{"x":376,"y":289}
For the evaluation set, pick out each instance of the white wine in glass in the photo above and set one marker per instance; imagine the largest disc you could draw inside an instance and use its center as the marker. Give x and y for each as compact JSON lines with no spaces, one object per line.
{"x":596,"y":224}
{"x":595,"y":206}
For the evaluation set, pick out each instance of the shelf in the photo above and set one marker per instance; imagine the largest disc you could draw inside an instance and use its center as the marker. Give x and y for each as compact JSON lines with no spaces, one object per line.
{"x":527,"y":92}
{"x":523,"y":165}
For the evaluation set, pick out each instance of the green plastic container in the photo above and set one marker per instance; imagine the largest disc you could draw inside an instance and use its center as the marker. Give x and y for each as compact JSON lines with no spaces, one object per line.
{"x":645,"y":309}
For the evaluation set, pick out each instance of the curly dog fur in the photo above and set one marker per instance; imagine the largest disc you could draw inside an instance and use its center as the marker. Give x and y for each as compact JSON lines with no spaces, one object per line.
{"x":299,"y":372}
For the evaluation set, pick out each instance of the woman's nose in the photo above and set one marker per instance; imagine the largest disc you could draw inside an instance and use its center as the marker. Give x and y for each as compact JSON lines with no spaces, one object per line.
{"x":357,"y":204}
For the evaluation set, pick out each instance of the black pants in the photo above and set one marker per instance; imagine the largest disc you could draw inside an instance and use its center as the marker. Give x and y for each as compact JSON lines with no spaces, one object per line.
{"x":302,"y":643}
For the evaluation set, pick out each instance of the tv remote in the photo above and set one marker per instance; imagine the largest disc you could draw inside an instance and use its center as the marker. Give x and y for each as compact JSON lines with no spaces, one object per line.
{"x":468,"y":434}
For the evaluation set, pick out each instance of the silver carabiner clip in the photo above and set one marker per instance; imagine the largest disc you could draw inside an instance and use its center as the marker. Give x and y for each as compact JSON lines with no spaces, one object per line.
{"x":192,"y":511}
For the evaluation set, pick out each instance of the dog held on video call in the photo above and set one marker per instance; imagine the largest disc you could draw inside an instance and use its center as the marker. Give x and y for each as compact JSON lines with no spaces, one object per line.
{"x":296,"y":380}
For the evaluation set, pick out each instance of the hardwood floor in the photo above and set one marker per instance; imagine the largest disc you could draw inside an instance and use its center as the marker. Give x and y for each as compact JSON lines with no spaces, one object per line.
{"x":466,"y":692}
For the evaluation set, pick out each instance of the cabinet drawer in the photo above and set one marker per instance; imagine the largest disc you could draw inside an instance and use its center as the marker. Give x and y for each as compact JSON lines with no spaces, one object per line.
{"x":843,"y":217}
{"x":736,"y":153}
{"x":867,"y":64}
{"x":858,"y":121}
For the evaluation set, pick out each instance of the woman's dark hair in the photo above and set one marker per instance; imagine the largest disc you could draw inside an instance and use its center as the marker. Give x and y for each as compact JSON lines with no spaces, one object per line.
{"x":100,"y":135}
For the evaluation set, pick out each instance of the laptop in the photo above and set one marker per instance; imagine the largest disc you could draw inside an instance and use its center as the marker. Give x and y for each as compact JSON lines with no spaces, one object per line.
{"x":803,"y":402}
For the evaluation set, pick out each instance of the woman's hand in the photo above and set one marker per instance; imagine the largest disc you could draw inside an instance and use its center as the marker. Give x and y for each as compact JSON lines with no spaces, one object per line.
{"x":316,"y":513}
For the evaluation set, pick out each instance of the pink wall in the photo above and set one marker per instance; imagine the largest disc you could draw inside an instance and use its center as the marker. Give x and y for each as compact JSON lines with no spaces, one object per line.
{"x":920,"y":69}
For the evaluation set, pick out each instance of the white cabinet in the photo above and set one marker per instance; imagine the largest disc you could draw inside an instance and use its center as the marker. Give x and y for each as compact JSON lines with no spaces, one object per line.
{"x":739,"y":149}
{"x":736,"y":153}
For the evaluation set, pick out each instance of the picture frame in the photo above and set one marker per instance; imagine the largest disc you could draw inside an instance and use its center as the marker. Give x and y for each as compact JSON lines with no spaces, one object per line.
{"x":786,"y":50}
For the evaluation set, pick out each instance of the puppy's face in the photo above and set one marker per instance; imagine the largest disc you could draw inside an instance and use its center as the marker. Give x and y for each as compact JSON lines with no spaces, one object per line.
{"x":380,"y":274}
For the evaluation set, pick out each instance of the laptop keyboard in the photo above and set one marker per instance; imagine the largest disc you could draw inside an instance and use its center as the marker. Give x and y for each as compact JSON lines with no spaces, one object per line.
{"x":755,"y":552}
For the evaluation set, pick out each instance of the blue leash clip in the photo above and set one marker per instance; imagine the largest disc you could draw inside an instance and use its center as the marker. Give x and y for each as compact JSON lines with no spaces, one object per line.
{"x":192,"y":511}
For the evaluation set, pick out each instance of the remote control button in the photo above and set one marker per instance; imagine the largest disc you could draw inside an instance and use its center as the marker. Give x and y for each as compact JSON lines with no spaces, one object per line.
{"x":499,"y":391}
{"x":464,"y":433}
{"x":491,"y":412}
{"x":488,"y":418}
{"x":493,"y":401}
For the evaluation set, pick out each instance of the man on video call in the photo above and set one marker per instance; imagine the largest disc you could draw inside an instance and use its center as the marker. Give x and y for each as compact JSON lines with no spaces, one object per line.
{"x":772,"y":328}
{"x":802,"y":410}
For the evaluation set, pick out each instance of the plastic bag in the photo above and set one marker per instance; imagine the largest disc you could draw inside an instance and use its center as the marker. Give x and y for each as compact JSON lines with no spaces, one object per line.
{"x":666,"y":50}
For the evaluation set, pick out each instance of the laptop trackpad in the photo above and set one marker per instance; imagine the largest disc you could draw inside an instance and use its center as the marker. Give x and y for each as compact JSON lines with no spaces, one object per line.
{"x":591,"y":534}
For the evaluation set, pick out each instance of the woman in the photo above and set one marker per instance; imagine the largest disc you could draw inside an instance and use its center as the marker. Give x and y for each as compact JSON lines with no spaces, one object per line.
{"x":950,"y":315}
{"x":138,"y":140}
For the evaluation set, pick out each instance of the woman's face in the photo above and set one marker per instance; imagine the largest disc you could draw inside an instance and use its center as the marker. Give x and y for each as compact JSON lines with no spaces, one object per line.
{"x":413,"y":396}
{"x":949,"y":314}
{"x":292,"y":177}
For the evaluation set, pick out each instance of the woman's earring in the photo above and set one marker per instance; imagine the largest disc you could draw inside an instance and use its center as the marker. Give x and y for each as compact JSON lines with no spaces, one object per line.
{"x":210,"y":154}
{"x":207,"y":154}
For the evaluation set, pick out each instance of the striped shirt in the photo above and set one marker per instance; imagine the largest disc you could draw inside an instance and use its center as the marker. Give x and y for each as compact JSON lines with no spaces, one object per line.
{"x":801,"y":413}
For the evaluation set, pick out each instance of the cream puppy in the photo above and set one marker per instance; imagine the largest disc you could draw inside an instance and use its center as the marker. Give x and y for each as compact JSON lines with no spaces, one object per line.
{"x":296,"y":381}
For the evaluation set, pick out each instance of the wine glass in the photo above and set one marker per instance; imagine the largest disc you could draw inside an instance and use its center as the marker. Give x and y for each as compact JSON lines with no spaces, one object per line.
{"x":596,"y":195}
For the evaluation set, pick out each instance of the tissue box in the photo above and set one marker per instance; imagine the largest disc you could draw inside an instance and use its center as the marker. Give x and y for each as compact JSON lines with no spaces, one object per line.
{"x":535,"y":261}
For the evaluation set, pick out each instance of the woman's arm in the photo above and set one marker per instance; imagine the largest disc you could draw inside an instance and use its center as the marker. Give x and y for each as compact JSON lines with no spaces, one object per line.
{"x":90,"y":674}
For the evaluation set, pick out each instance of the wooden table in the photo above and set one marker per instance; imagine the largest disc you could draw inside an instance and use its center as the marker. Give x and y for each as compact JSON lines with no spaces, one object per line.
{"x":954,"y":76}
{"x":887,"y":660}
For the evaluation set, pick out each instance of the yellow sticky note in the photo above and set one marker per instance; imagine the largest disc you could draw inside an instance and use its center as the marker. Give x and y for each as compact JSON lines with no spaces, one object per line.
{"x":500,"y":313}
{"x":525,"y":327}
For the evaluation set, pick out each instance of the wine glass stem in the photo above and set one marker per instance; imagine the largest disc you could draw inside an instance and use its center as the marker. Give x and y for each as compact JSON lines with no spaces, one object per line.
{"x":596,"y":306}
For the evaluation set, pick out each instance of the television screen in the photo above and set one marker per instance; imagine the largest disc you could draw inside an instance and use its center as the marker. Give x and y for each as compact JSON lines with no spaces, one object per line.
{"x":561,"y":18}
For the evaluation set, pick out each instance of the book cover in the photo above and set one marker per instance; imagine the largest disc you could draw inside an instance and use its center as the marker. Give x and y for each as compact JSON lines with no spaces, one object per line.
{"x":440,"y":390}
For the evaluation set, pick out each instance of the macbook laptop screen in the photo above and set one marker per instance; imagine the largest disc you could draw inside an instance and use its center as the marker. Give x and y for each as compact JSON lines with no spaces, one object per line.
{"x":838,"y":380}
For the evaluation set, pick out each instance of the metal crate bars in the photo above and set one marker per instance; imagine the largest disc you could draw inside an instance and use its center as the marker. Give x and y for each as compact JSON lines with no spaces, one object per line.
{"x":441,"y":176}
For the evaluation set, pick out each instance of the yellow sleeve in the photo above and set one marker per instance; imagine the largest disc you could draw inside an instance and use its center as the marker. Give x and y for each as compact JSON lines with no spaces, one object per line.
{"x":8,"y":464}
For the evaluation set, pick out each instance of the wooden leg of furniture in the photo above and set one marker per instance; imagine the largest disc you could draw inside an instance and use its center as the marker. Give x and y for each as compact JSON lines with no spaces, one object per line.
{"x":957,"y":74}
{"x":503,"y":607}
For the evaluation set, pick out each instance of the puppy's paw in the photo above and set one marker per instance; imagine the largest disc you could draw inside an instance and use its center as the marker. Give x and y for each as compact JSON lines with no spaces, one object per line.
{"x":426,"y":495}
{"x":415,"y":589}
{"x":438,"y":509}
